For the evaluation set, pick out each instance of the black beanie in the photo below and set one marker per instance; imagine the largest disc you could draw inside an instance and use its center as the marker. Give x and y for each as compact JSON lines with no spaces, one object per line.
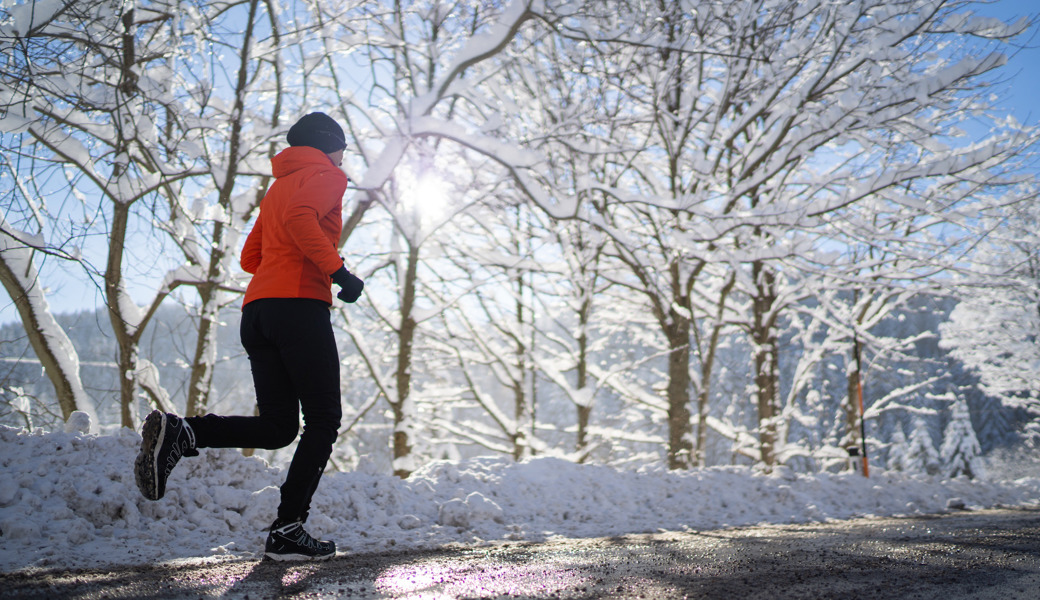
{"x":317,"y":130}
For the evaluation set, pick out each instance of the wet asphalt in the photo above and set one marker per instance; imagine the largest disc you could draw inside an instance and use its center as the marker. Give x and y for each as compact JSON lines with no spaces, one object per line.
{"x":991,"y":554}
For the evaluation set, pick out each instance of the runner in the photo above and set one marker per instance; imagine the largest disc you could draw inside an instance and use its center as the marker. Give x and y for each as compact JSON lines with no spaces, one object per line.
{"x":287,"y":333}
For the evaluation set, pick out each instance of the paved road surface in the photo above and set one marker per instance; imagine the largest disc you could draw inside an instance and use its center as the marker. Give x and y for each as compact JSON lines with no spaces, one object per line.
{"x":993,"y":554}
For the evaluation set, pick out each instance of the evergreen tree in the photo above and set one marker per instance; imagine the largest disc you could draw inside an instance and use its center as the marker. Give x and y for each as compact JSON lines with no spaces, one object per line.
{"x":921,"y":456}
{"x":897,"y":451}
{"x":960,"y":450}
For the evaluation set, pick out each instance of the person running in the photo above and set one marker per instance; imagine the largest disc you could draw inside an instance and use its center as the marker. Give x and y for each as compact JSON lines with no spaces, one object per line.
{"x":287,"y":333}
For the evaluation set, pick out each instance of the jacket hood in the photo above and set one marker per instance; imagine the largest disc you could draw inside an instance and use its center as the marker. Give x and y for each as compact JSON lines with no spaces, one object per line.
{"x":294,"y":158}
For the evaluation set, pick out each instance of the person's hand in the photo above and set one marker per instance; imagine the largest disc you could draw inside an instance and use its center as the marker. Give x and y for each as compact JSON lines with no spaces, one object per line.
{"x":352,"y":290}
{"x":351,"y":285}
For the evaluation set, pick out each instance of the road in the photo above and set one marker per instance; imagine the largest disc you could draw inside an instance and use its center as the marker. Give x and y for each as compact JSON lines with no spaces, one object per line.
{"x":991,"y":554}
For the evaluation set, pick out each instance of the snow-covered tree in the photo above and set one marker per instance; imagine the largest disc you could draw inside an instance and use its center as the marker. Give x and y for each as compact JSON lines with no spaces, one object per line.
{"x":921,"y":455}
{"x":425,"y":64}
{"x":551,"y":87}
{"x":237,"y":136}
{"x":960,"y":452}
{"x":995,"y":328}
{"x":21,"y":279}
{"x":87,"y":88}
{"x":897,"y":450}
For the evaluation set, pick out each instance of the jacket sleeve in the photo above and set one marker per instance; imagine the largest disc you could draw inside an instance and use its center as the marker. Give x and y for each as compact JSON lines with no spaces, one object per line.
{"x":317,"y":197}
{"x":251,"y":255}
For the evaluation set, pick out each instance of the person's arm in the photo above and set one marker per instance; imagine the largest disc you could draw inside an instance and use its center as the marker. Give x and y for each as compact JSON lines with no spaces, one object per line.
{"x":319,"y":196}
{"x":251,"y":252}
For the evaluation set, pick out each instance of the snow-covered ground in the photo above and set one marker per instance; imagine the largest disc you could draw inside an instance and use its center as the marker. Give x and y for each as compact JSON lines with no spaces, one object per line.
{"x":68,"y":499}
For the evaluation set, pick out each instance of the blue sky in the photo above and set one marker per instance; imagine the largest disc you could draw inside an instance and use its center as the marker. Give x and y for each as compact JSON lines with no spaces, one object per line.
{"x":1023,"y":91}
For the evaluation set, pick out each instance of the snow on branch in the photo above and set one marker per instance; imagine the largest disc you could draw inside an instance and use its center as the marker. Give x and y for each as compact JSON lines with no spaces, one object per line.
{"x":480,"y":47}
{"x":889,"y":402}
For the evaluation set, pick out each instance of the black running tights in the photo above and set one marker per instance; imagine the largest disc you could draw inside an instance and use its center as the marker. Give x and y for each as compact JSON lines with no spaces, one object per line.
{"x":292,"y":353}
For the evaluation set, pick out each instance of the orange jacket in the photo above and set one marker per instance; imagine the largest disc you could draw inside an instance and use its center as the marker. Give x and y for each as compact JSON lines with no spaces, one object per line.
{"x":291,"y":250}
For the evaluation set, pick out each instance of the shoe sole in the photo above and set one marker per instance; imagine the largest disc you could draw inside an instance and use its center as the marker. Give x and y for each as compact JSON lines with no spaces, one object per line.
{"x":146,"y":465}
{"x":297,"y":557}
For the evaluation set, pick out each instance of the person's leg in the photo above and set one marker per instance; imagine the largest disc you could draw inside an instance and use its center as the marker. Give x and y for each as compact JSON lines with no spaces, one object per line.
{"x":277,"y":421}
{"x":311,"y":358}
{"x":295,"y":363}
{"x":303,"y":334}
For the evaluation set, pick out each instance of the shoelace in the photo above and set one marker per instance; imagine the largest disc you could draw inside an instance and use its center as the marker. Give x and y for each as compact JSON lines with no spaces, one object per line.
{"x":302,"y":538}
{"x":182,"y":444}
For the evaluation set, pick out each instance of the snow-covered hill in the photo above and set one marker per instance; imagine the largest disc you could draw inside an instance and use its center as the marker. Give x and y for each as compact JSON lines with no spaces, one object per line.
{"x":68,"y":499}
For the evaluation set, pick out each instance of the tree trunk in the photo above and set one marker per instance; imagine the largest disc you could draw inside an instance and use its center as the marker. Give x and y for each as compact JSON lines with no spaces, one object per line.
{"x":680,"y":429}
{"x":584,"y":410}
{"x":520,"y":412}
{"x":406,"y":337}
{"x":121,"y":328}
{"x":707,"y":367}
{"x":851,"y":406}
{"x":201,"y":380}
{"x":766,"y":353}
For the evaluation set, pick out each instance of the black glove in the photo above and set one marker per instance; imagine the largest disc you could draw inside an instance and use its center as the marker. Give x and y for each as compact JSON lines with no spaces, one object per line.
{"x":351,"y":284}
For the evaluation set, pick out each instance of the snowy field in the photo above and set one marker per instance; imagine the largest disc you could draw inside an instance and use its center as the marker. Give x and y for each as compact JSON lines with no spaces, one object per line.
{"x":68,"y":500}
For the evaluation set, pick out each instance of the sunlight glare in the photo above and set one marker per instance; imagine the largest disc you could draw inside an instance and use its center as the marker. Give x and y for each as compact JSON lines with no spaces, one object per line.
{"x":425,"y":199}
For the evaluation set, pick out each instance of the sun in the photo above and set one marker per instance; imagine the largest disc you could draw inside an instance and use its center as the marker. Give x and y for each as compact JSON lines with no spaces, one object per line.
{"x":425,"y":199}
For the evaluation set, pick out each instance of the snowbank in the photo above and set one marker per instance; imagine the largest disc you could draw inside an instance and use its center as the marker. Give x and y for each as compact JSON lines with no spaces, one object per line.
{"x":69,"y":500}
